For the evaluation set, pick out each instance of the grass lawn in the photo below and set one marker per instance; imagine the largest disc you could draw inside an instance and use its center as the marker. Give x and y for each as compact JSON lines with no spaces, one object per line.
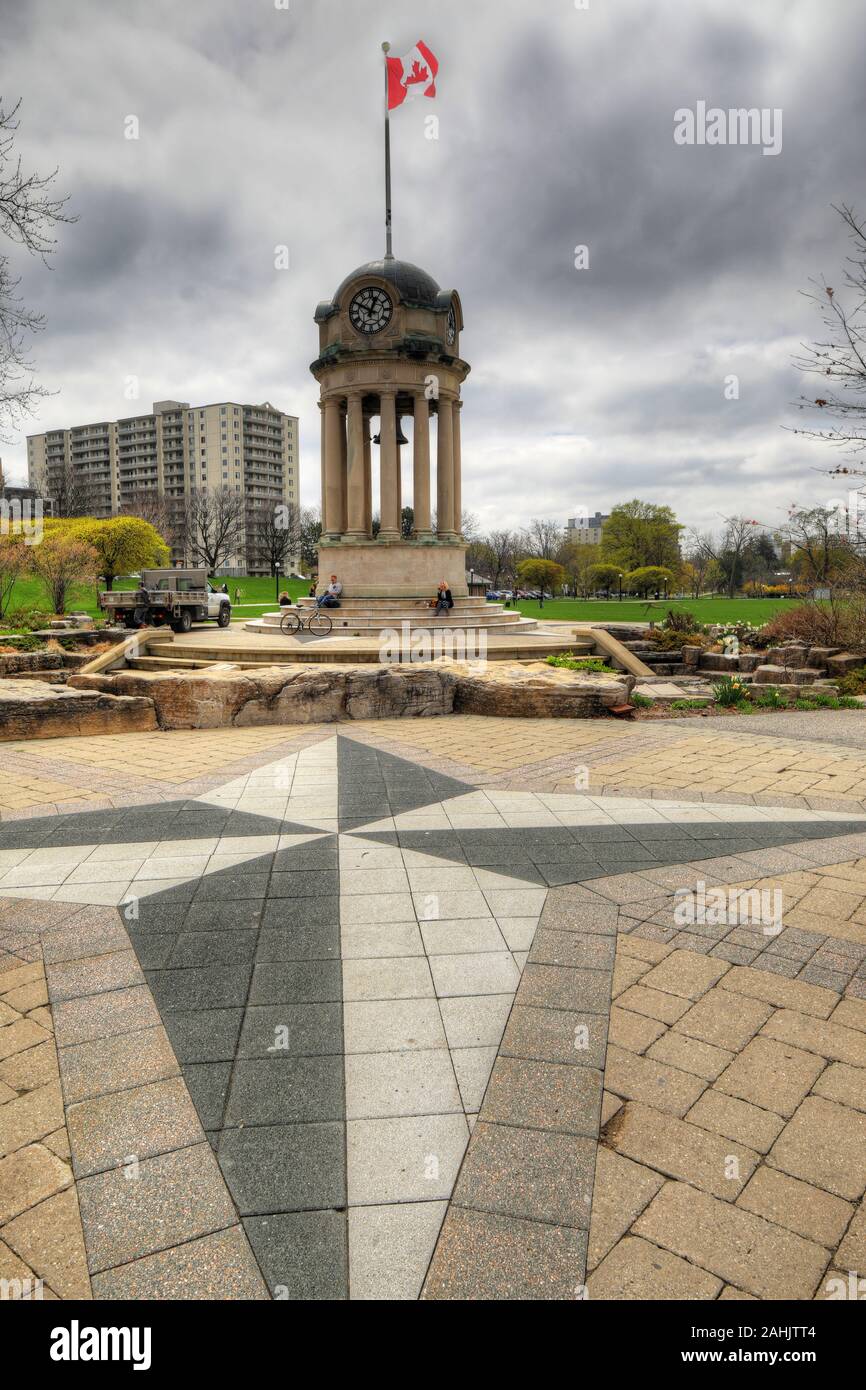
{"x":706,"y":610}
{"x":260,"y":595}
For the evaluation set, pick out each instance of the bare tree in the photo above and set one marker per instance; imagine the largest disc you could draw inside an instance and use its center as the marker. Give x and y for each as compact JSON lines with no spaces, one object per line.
{"x":730,"y":551}
{"x":542,"y":540}
{"x":501,"y":547}
{"x":840,"y":358}
{"x":70,"y":493}
{"x":213,"y":526}
{"x":273,"y":534}
{"x":28,"y":214}
{"x":822,"y":554}
{"x":157,"y":509}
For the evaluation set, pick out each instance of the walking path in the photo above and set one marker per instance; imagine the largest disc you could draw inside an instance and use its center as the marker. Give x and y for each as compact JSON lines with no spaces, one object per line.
{"x":422,"y":1008}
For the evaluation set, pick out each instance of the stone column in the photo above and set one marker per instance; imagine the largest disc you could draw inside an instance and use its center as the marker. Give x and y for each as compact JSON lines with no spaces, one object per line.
{"x":332,"y":518}
{"x":389,"y":462}
{"x":421,"y":467}
{"x":368,"y":480}
{"x":445,"y":470}
{"x":458,"y":490}
{"x":321,"y":405}
{"x":343,"y":469}
{"x":356,"y":516}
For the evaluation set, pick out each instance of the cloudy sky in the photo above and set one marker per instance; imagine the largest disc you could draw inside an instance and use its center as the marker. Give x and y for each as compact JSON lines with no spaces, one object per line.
{"x":260,"y":124}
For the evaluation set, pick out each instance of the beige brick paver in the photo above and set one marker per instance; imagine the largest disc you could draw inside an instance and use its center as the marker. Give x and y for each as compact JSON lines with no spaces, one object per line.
{"x":809,"y":1211}
{"x":734,"y":1244}
{"x":772,"y":1075}
{"x":677,"y":1149}
{"x":637,"y":1269}
{"x":825,"y":1145}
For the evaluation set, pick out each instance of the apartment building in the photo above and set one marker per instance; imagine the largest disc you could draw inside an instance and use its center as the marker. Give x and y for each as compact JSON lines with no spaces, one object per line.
{"x":585,"y":530}
{"x":169,"y":455}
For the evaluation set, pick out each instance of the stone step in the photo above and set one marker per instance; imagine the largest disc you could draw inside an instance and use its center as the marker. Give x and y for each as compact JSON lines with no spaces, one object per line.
{"x":347,"y":624}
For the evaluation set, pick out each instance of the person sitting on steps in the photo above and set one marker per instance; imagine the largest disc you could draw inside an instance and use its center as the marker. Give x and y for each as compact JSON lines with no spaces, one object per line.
{"x":331,"y":597}
{"x":443,"y":601}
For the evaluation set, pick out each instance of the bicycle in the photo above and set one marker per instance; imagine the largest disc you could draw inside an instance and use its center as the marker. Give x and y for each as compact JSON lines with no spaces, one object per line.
{"x":318,"y":624}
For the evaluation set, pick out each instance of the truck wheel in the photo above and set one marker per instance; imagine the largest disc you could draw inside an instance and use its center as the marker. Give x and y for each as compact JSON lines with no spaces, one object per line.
{"x":225,"y":615}
{"x":184,"y":622}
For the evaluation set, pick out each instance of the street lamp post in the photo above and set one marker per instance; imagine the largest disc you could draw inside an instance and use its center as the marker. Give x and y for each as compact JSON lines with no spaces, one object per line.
{"x":620,"y":588}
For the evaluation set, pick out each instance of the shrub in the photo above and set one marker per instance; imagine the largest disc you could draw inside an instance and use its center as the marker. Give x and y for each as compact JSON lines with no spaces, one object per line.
{"x":26,"y":619}
{"x":689,"y":704}
{"x":570,"y":662}
{"x":853,"y":682}
{"x":642,"y":701}
{"x":728,"y":690}
{"x":681,"y":620}
{"x":841,"y":622}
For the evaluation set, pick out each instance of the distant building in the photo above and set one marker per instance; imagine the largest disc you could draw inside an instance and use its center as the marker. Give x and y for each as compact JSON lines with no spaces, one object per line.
{"x":585,"y":530}
{"x":168,"y":455}
{"x":24,"y":497}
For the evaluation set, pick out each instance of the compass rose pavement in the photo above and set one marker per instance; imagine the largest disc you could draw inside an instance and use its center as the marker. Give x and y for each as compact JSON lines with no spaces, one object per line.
{"x":344,"y":1032}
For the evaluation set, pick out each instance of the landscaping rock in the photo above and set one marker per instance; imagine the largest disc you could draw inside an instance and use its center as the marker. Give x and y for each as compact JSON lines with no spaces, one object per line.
{"x":750,"y":661}
{"x":33,"y":709}
{"x":844,"y":661}
{"x":535,"y":690}
{"x":818,"y":656}
{"x":718,"y":661}
{"x":229,"y":696}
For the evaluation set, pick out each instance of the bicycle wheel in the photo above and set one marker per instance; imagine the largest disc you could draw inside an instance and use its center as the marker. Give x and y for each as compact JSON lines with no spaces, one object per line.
{"x":320,"y":624}
{"x":290,"y":623}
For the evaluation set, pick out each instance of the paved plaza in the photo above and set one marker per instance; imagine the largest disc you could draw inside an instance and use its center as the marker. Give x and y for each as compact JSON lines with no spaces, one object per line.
{"x":423,"y":1008}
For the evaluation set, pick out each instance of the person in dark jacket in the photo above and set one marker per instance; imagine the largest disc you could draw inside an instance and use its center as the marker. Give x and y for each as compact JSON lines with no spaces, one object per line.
{"x":444,"y":601}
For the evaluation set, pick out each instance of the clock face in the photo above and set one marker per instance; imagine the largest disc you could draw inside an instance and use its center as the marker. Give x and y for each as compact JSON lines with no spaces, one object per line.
{"x":370,"y":310}
{"x":451,"y":327}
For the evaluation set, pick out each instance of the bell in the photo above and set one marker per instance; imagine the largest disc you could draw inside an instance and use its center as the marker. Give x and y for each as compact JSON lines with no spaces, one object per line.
{"x":401,"y":438}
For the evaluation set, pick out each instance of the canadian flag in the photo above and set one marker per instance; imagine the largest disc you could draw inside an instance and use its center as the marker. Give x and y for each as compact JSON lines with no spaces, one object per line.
{"x":412,"y":76}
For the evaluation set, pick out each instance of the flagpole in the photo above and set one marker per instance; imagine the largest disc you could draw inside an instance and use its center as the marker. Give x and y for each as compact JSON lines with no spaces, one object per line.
{"x":386,"y":48}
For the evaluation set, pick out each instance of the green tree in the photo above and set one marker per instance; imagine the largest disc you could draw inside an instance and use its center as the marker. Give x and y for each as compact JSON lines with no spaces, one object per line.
{"x":648,"y":577}
{"x":578,"y":561}
{"x":122,"y":544}
{"x":605,"y":576}
{"x":544,"y":575}
{"x":637,"y":534}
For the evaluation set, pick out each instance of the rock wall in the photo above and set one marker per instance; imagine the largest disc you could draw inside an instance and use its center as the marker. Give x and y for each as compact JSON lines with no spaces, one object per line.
{"x":282,"y":694}
{"x":32,"y":709}
{"x":321,"y":694}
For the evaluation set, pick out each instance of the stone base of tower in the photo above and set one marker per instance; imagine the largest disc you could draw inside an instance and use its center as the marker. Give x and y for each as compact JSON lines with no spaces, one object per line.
{"x":393,"y":569}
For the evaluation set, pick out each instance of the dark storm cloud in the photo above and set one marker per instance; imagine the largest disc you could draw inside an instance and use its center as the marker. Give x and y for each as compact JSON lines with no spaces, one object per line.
{"x":262,"y":127}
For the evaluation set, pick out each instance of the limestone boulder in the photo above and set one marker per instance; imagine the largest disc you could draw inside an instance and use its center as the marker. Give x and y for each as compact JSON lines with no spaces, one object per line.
{"x":226,"y":696}
{"x":33,"y":709}
{"x":534,"y":690}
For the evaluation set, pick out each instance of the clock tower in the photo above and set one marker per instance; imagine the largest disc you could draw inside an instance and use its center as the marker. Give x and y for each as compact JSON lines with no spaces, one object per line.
{"x":389,"y":352}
